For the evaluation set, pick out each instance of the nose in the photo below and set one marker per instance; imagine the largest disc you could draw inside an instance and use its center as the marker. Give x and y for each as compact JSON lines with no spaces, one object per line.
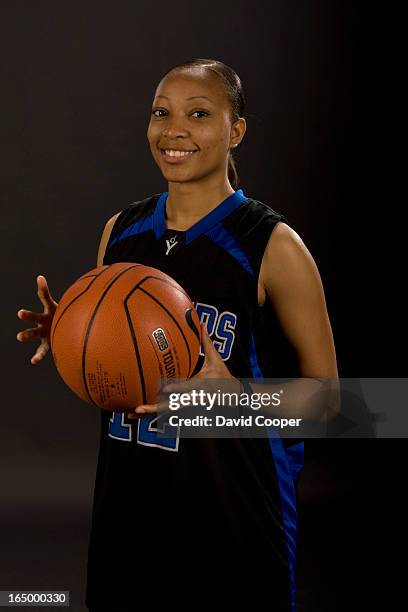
{"x":175,"y":127}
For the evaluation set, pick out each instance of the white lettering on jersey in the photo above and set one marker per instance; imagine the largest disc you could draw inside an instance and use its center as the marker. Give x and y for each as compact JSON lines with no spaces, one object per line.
{"x":220,"y":326}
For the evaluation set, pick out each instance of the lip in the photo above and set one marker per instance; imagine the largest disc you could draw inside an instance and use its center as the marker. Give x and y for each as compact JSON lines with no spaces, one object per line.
{"x":176,"y":160}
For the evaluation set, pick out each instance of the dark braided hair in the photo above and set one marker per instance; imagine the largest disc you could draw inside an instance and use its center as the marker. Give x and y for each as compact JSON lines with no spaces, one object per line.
{"x":234,"y":91}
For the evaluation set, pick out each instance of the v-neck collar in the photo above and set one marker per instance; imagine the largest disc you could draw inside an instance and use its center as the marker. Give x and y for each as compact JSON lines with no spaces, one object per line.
{"x":203,"y":225}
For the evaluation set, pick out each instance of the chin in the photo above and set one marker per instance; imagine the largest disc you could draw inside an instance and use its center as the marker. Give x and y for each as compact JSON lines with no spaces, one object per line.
{"x":172,"y":179}
{"x":177,"y":177}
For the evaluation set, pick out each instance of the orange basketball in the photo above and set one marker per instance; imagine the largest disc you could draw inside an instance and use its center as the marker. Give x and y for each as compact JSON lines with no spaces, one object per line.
{"x":121,"y":329}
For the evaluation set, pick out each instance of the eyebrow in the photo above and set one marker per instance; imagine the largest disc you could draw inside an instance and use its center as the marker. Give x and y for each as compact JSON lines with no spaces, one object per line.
{"x":190,"y":98}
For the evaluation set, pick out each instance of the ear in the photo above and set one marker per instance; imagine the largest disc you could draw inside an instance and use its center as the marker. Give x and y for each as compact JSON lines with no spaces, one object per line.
{"x":238,"y":130}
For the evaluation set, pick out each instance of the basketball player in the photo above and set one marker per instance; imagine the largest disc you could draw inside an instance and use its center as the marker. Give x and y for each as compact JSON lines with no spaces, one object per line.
{"x":182,"y":522}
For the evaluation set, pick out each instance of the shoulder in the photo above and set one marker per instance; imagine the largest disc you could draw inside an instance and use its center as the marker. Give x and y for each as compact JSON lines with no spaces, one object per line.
{"x":134,"y":212}
{"x":131,"y":213}
{"x":287,"y":259}
{"x":292,"y":283}
{"x":284,"y":240}
{"x":257,"y":211}
{"x":138,"y":209}
{"x":252,"y":223}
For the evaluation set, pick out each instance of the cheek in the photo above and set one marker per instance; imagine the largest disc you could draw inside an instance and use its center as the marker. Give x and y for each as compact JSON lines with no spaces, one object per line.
{"x":152,"y":133}
{"x":214,"y":141}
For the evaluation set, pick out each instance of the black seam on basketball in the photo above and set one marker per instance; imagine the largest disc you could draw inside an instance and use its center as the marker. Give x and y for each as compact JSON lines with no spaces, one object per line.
{"x":189,"y":319}
{"x":91,"y":275}
{"x":138,"y":358}
{"x":173,"y":284}
{"x":115,"y":278}
{"x":169,"y":314}
{"x":73,"y":300}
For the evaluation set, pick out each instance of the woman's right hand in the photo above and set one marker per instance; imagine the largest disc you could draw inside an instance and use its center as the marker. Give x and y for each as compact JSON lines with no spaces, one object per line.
{"x":42,"y":319}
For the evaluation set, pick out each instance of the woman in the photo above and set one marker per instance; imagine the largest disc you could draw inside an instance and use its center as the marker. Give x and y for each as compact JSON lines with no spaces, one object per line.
{"x":213,"y":512}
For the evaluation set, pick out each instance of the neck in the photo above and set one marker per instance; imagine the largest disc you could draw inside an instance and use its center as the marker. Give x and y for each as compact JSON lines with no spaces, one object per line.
{"x":187,"y":203}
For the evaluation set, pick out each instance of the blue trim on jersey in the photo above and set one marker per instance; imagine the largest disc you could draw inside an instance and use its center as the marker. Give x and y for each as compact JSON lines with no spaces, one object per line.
{"x":222,"y":238}
{"x":296,"y":458}
{"x":159,"y":221}
{"x":253,"y":358}
{"x":288,"y":465}
{"x":288,"y":506}
{"x":206,"y":223}
{"x":216,"y":215}
{"x":136,"y":228}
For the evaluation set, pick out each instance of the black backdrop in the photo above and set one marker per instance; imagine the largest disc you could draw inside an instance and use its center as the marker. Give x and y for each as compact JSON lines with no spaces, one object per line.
{"x":78,"y":83}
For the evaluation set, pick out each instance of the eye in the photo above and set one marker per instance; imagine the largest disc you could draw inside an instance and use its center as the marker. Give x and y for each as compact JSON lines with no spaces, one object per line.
{"x":158,"y":110}
{"x":200,"y":111}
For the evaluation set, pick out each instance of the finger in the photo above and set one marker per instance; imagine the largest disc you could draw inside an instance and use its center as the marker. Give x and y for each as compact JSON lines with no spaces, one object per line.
{"x":29,"y":315}
{"x":37,"y":357}
{"x":132,"y":416}
{"x":184,"y":387}
{"x":40,"y":353}
{"x":208,"y":346}
{"x":161,"y":406}
{"x":29,"y":334}
{"x":181,"y":383}
{"x":143,"y":409}
{"x":44,"y":293}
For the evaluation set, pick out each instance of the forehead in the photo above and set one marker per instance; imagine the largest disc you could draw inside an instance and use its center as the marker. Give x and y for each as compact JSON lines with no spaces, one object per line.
{"x":178,"y":86}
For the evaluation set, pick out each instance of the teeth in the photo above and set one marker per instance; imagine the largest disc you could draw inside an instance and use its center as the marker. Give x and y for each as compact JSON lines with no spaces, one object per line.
{"x":172,"y":153}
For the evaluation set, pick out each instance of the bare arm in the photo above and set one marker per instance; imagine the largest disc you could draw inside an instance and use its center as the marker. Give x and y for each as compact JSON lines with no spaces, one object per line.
{"x":292,"y":282}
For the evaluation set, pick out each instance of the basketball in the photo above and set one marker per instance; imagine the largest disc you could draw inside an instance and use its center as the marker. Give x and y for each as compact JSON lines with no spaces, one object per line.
{"x":119,"y":331}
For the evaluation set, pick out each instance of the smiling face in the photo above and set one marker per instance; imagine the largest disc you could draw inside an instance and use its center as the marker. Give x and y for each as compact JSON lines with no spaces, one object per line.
{"x":190,"y":131}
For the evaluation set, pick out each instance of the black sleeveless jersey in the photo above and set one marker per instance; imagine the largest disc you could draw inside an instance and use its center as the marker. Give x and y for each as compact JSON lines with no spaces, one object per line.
{"x":214,"y":517}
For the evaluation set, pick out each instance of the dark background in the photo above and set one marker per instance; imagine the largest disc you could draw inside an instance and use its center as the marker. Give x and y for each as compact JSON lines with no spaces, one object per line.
{"x":78,"y":79}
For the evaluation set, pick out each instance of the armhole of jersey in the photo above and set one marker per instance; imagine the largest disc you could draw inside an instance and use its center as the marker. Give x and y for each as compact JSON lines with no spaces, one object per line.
{"x":115,"y":228}
{"x":124,"y":214}
{"x":275,"y":219}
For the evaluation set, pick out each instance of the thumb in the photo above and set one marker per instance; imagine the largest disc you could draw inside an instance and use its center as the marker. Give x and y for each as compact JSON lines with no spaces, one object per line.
{"x":208,"y":346}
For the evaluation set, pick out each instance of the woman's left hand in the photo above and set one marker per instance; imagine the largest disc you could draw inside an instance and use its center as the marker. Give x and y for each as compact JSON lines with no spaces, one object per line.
{"x":213,"y":368}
